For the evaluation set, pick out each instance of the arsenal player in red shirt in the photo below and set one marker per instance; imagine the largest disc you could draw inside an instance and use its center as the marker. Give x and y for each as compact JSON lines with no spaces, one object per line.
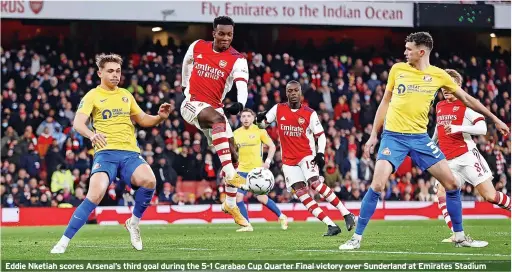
{"x":209,"y":70}
{"x":298,"y":126}
{"x":455,"y":125}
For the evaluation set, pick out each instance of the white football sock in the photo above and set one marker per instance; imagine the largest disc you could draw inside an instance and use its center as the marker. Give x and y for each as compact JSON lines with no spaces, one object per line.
{"x":134,"y":221}
{"x":64,"y":240}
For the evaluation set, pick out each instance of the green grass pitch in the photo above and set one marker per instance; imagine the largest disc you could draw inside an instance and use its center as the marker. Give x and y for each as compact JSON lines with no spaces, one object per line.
{"x":383,"y":240}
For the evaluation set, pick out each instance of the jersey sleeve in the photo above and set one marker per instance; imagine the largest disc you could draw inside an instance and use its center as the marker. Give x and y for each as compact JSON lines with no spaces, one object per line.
{"x":86,"y":104}
{"x":315,"y":125}
{"x":264,"y":137}
{"x":391,"y":78}
{"x":188,"y":64}
{"x":448,"y":83}
{"x":240,"y":70}
{"x":134,"y":107}
{"x":271,"y":114}
{"x":473,"y":116}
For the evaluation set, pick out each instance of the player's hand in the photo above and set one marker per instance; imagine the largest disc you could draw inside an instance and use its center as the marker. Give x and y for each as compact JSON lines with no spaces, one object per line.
{"x":369,"y":147}
{"x":266,"y":165}
{"x":502,"y":127}
{"x":448,"y":129}
{"x":164,"y":110}
{"x":260,"y":117}
{"x":234,"y":109}
{"x":320,"y":160}
{"x":99,"y":140}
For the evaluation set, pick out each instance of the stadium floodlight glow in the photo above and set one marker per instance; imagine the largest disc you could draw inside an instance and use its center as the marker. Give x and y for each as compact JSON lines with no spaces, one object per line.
{"x":493,"y":35}
{"x":156,"y":29}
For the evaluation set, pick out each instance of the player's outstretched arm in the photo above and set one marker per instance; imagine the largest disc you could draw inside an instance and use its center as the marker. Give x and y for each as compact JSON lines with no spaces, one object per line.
{"x":378,"y":123}
{"x":475,"y":105}
{"x":146,"y":120}
{"x":478,"y":128}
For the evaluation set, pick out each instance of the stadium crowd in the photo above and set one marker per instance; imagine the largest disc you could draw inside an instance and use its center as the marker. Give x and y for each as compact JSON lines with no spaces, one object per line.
{"x":44,"y":162}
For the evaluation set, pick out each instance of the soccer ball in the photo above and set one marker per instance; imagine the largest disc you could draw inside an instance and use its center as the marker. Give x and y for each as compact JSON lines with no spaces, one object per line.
{"x":260,"y":181}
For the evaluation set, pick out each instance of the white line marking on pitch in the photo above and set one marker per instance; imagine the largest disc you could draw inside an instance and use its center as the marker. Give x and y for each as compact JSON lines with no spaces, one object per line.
{"x":403,"y":252}
{"x":323,"y":250}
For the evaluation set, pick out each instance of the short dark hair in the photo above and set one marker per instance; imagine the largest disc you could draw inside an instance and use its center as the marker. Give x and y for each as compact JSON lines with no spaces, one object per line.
{"x":223,"y":20}
{"x":292,"y":82}
{"x":421,"y":38}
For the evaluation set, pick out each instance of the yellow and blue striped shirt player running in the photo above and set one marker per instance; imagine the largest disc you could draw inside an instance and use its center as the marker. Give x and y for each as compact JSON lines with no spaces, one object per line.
{"x":112,"y":110}
{"x":403,"y":112}
{"x":249,"y":140}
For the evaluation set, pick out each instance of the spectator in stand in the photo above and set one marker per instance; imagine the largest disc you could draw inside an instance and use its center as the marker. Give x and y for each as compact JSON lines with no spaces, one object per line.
{"x":62,"y":179}
{"x":166,"y":194}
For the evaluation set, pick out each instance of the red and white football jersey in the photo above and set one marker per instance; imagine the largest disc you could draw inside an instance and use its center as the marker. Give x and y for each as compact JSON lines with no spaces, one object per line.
{"x":297,"y":129}
{"x":213,"y":73}
{"x":455,"y":113}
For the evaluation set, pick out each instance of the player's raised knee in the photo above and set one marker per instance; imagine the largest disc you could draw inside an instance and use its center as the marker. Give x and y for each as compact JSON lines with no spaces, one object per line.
{"x":148,"y":182}
{"x":377,"y":186}
{"x":217,"y":118}
{"x":450,"y":183}
{"x":379,"y":183}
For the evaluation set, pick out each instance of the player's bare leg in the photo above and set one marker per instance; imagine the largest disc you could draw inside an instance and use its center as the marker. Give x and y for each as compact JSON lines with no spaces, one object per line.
{"x":442,"y":172}
{"x":441,"y":203}
{"x":98,"y":185}
{"x":328,"y":194}
{"x":144,"y":178}
{"x":301,"y":192}
{"x":383,"y":170}
{"x":490,"y":194}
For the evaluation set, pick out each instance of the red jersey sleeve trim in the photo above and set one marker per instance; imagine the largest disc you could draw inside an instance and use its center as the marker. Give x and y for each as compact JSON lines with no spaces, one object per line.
{"x":319,"y":133}
{"x":478,"y":119}
{"x":240,"y":79}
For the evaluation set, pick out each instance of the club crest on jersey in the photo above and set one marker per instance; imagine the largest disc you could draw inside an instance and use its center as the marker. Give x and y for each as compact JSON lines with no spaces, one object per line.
{"x":427,"y":78}
{"x":252,"y":136}
{"x":96,"y":166}
{"x":223,"y":63}
{"x":125,"y":99}
{"x":301,"y":121}
{"x":456,"y":108}
{"x":386,"y":151}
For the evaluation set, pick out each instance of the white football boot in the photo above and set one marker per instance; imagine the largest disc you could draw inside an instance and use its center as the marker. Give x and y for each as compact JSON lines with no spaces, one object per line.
{"x":134,"y":234}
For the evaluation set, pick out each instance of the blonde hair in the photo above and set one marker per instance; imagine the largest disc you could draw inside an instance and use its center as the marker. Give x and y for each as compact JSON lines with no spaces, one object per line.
{"x":455,"y":75}
{"x":103,"y":58}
